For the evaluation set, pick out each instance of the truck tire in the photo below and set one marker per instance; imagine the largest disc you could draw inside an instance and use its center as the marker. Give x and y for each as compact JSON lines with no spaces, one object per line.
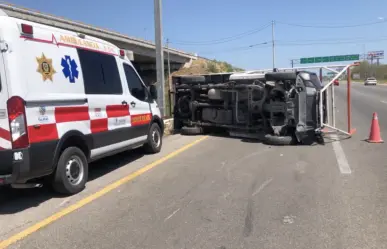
{"x":71,"y":172}
{"x":191,"y":80}
{"x":155,"y":140}
{"x":279,"y":140}
{"x":280,"y":76}
{"x":191,"y":131}
{"x":183,"y":106}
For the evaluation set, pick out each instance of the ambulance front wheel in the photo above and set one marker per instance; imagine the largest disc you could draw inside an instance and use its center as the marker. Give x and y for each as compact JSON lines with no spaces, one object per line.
{"x":71,"y":173}
{"x":155,"y":139}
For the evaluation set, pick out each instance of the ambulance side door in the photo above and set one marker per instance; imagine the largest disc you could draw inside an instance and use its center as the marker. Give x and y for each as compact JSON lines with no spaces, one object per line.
{"x":139,"y":102}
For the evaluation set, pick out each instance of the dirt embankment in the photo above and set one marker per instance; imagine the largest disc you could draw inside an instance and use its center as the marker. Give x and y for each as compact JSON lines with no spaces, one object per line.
{"x":203,"y":66}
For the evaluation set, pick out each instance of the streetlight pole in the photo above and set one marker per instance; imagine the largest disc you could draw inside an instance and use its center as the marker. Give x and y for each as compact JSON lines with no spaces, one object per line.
{"x":169,"y":81}
{"x":272,"y":38}
{"x":159,"y":57}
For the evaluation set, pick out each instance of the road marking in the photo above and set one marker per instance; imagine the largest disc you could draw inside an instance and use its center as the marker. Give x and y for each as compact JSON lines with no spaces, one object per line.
{"x":92,"y":197}
{"x":262,"y":186}
{"x":174,"y":212}
{"x":64,"y":202}
{"x":340,"y":155}
{"x":385,"y":102}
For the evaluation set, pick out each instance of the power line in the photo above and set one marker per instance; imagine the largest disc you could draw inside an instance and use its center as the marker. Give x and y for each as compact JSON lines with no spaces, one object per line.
{"x":238,"y":49}
{"x":333,"y":27}
{"x":332,"y":39}
{"x":329,"y":43}
{"x":254,"y":31}
{"x":222,"y":40}
{"x":284,"y":43}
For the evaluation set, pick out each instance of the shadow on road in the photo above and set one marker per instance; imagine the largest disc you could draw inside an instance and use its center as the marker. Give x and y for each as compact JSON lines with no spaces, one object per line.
{"x":16,"y":200}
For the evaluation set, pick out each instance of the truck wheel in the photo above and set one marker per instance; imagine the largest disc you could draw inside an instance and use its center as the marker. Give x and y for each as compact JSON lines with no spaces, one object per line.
{"x":194,"y":130}
{"x":155,"y":140}
{"x":279,"y":140}
{"x":72,"y":172}
{"x":190,"y":80}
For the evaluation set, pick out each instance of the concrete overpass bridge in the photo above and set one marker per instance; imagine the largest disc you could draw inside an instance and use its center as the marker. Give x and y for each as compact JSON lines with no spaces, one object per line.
{"x":144,"y":51}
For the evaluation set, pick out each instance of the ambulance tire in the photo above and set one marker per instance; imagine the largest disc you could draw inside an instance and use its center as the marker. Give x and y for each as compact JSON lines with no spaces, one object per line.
{"x":71,"y":172}
{"x":155,"y":140}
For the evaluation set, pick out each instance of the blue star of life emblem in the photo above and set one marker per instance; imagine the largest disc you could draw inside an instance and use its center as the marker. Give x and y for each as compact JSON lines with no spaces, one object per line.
{"x":70,"y":70}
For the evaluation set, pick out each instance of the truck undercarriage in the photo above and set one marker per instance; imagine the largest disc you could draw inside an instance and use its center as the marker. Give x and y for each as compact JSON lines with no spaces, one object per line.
{"x":280,"y":107}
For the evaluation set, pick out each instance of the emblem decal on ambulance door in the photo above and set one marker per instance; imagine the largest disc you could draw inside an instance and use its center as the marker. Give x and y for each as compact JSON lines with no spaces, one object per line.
{"x":70,"y":68}
{"x":45,"y":67}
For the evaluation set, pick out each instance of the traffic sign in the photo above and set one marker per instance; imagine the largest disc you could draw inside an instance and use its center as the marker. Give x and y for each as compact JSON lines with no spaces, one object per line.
{"x":350,"y":57}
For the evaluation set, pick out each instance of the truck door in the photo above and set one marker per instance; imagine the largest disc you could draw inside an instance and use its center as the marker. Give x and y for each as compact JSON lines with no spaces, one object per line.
{"x":139,"y":103}
{"x":5,"y":135}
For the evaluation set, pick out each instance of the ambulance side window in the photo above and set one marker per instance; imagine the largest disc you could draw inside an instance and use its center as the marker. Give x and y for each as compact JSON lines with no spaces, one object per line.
{"x":100,"y":73}
{"x":136,"y":87}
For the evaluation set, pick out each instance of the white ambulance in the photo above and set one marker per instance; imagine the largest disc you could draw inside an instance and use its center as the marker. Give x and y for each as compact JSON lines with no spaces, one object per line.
{"x":67,"y":99}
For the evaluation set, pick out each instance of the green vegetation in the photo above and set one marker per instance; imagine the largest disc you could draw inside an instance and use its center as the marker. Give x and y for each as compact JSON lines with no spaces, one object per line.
{"x":215,"y":66}
{"x":365,"y":69}
{"x":212,"y":68}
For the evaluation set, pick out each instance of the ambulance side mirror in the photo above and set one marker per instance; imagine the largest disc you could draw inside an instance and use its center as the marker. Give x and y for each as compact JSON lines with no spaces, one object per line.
{"x":153,"y":91}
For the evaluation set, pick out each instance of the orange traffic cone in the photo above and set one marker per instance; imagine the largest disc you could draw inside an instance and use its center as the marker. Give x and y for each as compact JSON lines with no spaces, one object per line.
{"x":375,"y":130}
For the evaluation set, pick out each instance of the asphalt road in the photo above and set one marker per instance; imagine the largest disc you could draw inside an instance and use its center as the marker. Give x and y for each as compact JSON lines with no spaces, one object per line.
{"x":228,"y":193}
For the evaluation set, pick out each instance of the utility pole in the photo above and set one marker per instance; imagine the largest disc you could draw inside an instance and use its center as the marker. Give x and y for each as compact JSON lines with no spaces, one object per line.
{"x":169,"y":80}
{"x":159,"y":57}
{"x":292,"y":62}
{"x":169,"y":65}
{"x":272,"y":38}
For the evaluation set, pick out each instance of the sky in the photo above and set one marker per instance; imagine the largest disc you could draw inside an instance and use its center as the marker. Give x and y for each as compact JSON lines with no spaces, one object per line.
{"x":225,"y":29}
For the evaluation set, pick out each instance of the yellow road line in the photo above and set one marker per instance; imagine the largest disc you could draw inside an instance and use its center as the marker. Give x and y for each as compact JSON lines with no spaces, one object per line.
{"x":92,"y":197}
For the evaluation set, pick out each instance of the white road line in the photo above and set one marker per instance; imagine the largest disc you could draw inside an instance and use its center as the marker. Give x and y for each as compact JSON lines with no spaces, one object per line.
{"x":64,"y":202}
{"x":340,"y":156}
{"x":262,"y":186}
{"x":174,"y":212}
{"x":385,"y":102}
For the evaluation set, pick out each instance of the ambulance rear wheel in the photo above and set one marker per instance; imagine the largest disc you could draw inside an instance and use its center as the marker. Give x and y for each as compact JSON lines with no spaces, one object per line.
{"x":71,"y":173}
{"x":155,"y":139}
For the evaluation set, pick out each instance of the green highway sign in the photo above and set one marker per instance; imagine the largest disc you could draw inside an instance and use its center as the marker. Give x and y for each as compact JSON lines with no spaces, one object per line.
{"x":350,"y":57}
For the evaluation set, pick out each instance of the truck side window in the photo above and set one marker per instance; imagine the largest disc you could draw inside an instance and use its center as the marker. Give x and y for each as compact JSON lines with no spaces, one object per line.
{"x":100,"y":73}
{"x":136,"y":88}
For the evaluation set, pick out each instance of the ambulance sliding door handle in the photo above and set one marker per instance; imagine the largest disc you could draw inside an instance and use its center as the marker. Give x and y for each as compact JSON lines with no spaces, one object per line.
{"x":124,"y":102}
{"x":133,"y":104}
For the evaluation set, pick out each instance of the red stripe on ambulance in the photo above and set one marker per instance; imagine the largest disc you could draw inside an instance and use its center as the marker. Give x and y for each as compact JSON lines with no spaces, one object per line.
{"x":42,"y":133}
{"x":4,"y":134}
{"x":70,"y":114}
{"x":116,"y":111}
{"x":99,"y":125}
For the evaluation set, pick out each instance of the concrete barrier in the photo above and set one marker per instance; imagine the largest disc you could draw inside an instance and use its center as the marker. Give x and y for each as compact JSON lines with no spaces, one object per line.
{"x":168,"y":126}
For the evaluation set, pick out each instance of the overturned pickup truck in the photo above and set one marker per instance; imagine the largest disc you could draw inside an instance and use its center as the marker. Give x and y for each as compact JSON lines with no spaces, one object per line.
{"x":279,"y":107}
